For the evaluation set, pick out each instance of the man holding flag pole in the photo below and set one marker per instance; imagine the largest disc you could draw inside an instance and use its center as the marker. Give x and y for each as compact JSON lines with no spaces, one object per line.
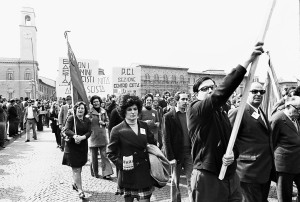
{"x":209,"y":130}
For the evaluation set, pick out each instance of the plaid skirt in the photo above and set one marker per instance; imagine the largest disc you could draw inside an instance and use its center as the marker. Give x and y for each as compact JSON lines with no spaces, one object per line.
{"x":140,"y":194}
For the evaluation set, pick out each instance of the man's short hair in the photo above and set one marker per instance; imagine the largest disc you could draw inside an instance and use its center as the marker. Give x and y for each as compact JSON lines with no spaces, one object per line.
{"x":68,"y":97}
{"x":199,"y":82}
{"x":170,"y":99}
{"x":297,"y":91}
{"x":294,"y":100}
{"x":177,"y":95}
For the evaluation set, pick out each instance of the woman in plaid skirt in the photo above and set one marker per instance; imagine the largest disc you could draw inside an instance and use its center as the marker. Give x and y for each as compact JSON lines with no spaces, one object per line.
{"x":128,"y":151}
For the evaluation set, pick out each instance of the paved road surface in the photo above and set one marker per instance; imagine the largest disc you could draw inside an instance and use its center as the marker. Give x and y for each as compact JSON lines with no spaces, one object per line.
{"x":33,"y":172}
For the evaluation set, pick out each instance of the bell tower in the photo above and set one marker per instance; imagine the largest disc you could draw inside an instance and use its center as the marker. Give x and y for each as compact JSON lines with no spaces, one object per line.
{"x":28,"y":35}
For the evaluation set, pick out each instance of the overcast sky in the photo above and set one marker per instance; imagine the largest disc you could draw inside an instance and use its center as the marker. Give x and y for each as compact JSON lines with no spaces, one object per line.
{"x":200,"y":34}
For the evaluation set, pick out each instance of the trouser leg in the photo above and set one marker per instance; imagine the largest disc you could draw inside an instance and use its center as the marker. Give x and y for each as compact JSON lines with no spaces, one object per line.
{"x":105,"y":163}
{"x":94,"y":164}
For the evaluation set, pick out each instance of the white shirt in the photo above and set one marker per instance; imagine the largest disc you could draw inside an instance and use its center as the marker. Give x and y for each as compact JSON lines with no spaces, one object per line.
{"x":30,"y":112}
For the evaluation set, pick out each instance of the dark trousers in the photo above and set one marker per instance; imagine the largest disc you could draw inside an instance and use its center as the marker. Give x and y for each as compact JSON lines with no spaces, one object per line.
{"x":254,"y":192}
{"x":285,"y":185}
{"x":57,"y":136}
{"x":105,"y":163}
{"x":62,"y":143}
{"x":206,"y":187}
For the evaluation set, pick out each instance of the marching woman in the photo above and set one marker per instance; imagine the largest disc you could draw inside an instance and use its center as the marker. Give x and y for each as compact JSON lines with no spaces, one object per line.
{"x":76,"y":147}
{"x":128,"y":151}
{"x":98,"y":139}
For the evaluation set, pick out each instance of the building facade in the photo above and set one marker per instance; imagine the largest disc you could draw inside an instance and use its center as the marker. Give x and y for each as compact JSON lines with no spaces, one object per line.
{"x":158,"y":79}
{"x":19,"y":76}
{"x":47,"y":88}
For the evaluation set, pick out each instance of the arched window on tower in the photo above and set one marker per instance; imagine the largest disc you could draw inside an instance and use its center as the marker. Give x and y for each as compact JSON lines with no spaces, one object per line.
{"x":28,"y":20}
{"x":9,"y":74}
{"x":27,"y":75}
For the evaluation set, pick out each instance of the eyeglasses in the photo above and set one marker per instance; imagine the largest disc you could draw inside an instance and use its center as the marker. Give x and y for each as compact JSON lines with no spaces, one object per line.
{"x":206,"y":88}
{"x":298,"y":109}
{"x":256,"y":91}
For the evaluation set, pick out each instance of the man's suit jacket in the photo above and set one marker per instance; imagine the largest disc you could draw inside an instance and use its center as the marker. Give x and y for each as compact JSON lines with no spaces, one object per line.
{"x":286,"y":144}
{"x":254,"y":141}
{"x":35,"y":113}
{"x":173,"y":136}
{"x":63,"y":115}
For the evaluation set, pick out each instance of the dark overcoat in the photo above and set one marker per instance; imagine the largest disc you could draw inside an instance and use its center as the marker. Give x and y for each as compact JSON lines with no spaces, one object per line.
{"x":124,"y":142}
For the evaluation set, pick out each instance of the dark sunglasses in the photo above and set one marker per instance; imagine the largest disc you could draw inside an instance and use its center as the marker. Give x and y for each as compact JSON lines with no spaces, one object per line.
{"x":256,"y":91}
{"x":298,"y":109}
{"x":206,"y":88}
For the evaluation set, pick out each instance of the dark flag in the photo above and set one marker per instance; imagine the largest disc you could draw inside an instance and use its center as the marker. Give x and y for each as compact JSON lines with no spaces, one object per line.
{"x":78,"y":90}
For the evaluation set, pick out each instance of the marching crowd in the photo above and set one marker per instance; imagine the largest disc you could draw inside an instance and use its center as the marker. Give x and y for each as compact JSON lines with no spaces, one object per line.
{"x":191,"y":131}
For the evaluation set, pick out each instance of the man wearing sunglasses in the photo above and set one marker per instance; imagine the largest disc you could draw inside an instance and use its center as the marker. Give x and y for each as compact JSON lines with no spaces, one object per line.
{"x":254,"y":141}
{"x":286,"y":136}
{"x":209,"y":130}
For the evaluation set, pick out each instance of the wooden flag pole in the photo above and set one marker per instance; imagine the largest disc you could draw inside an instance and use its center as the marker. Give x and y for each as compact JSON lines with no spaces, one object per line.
{"x":242,"y":106}
{"x":273,"y":77}
{"x":71,"y":86}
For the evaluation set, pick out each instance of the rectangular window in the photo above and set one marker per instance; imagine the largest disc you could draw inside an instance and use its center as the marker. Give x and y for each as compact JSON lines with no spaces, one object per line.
{"x":28,"y":94}
{"x":27,"y":76}
{"x":10,"y":96}
{"x":10,"y":76}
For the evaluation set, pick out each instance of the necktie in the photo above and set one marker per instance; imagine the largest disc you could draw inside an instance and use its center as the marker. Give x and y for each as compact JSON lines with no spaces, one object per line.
{"x":262,"y":118}
{"x":295,"y":122}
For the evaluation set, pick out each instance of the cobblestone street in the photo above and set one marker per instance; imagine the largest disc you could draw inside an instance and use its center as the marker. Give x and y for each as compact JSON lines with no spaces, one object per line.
{"x":33,"y":172}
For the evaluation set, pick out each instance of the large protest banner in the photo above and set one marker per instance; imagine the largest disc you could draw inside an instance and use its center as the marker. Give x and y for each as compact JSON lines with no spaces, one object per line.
{"x":94,"y":79}
{"x":127,"y":80}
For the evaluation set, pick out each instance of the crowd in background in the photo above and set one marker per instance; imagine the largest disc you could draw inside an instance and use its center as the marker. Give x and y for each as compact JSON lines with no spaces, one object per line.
{"x":104,"y":114}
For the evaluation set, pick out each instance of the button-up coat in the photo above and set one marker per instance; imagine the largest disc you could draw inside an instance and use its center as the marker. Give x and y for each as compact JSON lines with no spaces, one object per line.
{"x":124,"y":142}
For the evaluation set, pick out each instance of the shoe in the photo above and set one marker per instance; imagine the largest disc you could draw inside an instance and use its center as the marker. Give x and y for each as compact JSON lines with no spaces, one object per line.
{"x":108,"y":177}
{"x":27,"y":140}
{"x":7,"y":140}
{"x":74,"y":186}
{"x":2,"y":146}
{"x":35,"y":138}
{"x":81,"y":195}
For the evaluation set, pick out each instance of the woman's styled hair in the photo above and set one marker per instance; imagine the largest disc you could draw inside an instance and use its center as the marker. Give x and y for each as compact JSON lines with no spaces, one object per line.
{"x":128,"y":100}
{"x":94,"y":97}
{"x":78,"y":104}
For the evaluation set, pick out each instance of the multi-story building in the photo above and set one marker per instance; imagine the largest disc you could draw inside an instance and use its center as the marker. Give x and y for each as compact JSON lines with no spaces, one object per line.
{"x":47,"y":88}
{"x":157,"y":79}
{"x":19,"y":76}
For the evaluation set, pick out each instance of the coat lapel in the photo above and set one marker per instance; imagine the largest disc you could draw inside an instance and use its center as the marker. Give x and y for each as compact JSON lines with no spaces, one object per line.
{"x":139,"y":140}
{"x":289,"y":123}
{"x":259,"y":119}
